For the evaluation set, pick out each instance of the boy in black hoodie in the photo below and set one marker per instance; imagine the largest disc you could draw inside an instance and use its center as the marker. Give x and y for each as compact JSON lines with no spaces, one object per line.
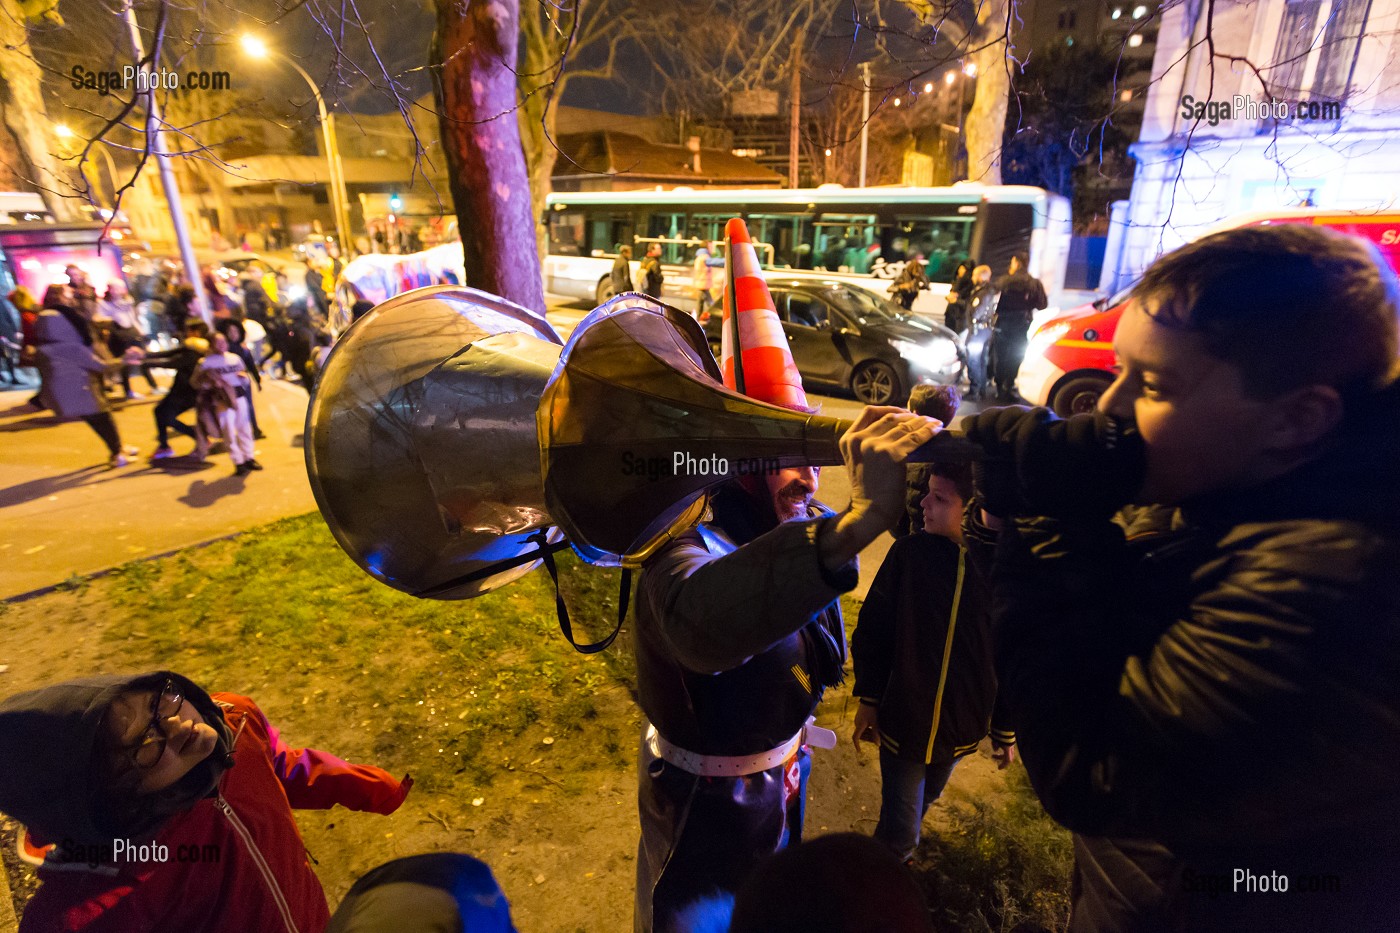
{"x":922,"y":652}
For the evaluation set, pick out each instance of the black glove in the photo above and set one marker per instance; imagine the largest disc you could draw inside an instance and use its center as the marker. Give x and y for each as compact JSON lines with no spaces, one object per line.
{"x":1083,"y":468}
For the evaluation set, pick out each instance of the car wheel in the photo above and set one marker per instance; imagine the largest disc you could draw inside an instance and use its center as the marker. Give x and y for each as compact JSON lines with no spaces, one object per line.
{"x":604,"y":291}
{"x":1079,"y":395}
{"x":875,"y":383}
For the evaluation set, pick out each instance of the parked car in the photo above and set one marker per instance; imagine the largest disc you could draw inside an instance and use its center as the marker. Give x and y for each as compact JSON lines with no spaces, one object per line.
{"x":231,"y":265}
{"x":846,"y":337}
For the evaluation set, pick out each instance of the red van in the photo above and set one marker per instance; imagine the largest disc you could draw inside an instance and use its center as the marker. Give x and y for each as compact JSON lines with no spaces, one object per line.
{"x":1069,"y":359}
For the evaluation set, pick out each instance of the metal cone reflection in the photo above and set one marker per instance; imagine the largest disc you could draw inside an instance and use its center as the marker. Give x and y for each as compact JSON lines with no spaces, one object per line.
{"x":420,"y":440}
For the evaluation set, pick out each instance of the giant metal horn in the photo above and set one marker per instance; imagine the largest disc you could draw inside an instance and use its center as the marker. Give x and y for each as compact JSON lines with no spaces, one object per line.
{"x":636,"y":426}
{"x":420,"y":440}
{"x":449,"y":435}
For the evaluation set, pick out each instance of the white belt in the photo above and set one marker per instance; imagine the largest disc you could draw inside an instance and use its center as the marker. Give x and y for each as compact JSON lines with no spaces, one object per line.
{"x":737,"y":765}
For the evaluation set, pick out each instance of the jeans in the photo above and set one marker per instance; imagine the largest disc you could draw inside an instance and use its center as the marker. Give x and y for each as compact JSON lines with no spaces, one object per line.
{"x":907,"y":788}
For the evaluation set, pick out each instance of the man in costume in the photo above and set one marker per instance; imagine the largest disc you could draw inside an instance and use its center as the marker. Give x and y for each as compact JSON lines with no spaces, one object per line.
{"x":739,"y":631}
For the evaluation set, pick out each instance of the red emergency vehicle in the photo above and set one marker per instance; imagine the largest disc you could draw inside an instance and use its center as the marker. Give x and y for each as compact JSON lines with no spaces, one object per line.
{"x":1069,"y":359}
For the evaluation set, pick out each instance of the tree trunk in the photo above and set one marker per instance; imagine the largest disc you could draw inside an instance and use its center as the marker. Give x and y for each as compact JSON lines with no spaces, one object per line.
{"x":987,"y":120}
{"x":26,"y":119}
{"x":474,"y":61}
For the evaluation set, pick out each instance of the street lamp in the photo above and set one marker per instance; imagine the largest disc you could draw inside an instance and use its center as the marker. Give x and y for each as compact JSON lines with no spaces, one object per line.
{"x":256,"y":48}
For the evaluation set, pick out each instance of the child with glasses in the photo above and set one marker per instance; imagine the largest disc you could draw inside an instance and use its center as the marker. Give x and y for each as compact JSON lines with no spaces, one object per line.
{"x":168,"y":808}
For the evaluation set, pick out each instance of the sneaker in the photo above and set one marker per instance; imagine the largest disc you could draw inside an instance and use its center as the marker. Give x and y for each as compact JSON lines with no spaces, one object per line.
{"x":134,"y":396}
{"x":242,"y":470}
{"x":252,"y":464}
{"x":132,"y":452}
{"x":161,"y":452}
{"x":118,"y":460}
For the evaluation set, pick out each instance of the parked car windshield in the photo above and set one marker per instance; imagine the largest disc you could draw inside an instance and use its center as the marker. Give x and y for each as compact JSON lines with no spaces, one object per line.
{"x":869,"y":308}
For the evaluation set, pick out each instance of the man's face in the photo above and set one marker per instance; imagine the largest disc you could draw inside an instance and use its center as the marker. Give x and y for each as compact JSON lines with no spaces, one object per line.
{"x":219,"y":343}
{"x":76,"y":277}
{"x":943,"y":508}
{"x":1203,"y":434}
{"x":792,"y":491}
{"x":188,"y":738}
{"x":654,"y":249}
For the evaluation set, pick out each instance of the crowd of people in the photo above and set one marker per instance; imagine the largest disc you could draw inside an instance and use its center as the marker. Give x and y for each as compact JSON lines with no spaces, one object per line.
{"x":1185,"y":606}
{"x":87,"y":349}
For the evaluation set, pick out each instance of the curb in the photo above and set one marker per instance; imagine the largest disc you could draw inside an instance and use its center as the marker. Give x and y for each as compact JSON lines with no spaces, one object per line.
{"x":105,"y":571}
{"x":8,"y":922}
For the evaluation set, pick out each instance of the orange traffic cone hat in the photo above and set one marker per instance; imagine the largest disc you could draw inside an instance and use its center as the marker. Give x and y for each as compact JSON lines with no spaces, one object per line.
{"x":762,"y":368}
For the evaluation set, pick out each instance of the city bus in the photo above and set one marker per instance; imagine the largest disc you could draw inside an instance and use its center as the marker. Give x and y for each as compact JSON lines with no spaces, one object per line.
{"x":863,"y":236}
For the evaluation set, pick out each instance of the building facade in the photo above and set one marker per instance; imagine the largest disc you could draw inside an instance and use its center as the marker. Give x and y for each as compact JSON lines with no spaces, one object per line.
{"x":1298,"y":107}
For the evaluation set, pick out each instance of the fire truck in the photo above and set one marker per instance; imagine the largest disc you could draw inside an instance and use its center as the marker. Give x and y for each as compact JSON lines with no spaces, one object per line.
{"x":1069,"y":360}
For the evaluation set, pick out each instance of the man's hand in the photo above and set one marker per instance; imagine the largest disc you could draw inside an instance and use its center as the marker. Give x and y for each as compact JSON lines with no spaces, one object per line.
{"x":867,"y":726}
{"x":1003,"y":755}
{"x":874,"y":450}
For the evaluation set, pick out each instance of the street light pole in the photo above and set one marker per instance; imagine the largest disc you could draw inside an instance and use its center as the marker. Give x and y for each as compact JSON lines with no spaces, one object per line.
{"x":167,"y":175}
{"x":864,"y":119}
{"x":335,"y":185}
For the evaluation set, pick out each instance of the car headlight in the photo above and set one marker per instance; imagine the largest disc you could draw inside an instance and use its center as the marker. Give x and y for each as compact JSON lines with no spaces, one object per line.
{"x":936,"y":355}
{"x":1045,"y":338}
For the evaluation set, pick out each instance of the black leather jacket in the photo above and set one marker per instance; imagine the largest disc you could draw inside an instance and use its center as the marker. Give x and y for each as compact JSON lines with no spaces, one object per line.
{"x":1217,"y":687}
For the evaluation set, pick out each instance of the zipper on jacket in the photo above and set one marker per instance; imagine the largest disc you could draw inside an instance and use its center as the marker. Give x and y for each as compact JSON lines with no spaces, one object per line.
{"x":947,"y":654}
{"x":263,"y":867}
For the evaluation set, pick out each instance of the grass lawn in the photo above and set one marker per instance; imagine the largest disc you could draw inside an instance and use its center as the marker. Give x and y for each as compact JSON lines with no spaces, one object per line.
{"x":521,"y":749}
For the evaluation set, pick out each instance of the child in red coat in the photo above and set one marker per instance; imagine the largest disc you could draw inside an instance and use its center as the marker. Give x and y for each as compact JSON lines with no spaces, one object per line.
{"x":168,"y":808}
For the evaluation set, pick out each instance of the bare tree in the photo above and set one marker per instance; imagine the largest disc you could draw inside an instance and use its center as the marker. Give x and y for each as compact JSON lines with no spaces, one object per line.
{"x":553,"y":36}
{"x":26,"y":119}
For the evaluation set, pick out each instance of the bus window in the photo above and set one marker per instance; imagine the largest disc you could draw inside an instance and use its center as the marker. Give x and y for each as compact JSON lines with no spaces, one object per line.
{"x":666,"y":225}
{"x":566,"y":233}
{"x":1005,"y":230}
{"x":844,"y":241}
{"x":608,"y":228}
{"x":943,"y":242}
{"x":788,"y":234}
{"x":708,"y":228}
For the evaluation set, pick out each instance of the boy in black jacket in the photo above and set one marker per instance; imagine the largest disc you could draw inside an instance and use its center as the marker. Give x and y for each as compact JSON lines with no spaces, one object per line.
{"x":922,"y":652}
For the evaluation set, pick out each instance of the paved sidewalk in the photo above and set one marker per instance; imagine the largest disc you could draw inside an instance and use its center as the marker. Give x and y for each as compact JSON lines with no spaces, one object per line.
{"x":64,"y":512}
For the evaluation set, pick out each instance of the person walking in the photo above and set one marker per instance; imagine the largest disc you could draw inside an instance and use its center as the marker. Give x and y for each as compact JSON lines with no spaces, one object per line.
{"x":1022,"y":294}
{"x":622,"y":271}
{"x":224,"y":384}
{"x":649,"y":275}
{"x":126,"y":340}
{"x":70,"y":371}
{"x":955,"y":316}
